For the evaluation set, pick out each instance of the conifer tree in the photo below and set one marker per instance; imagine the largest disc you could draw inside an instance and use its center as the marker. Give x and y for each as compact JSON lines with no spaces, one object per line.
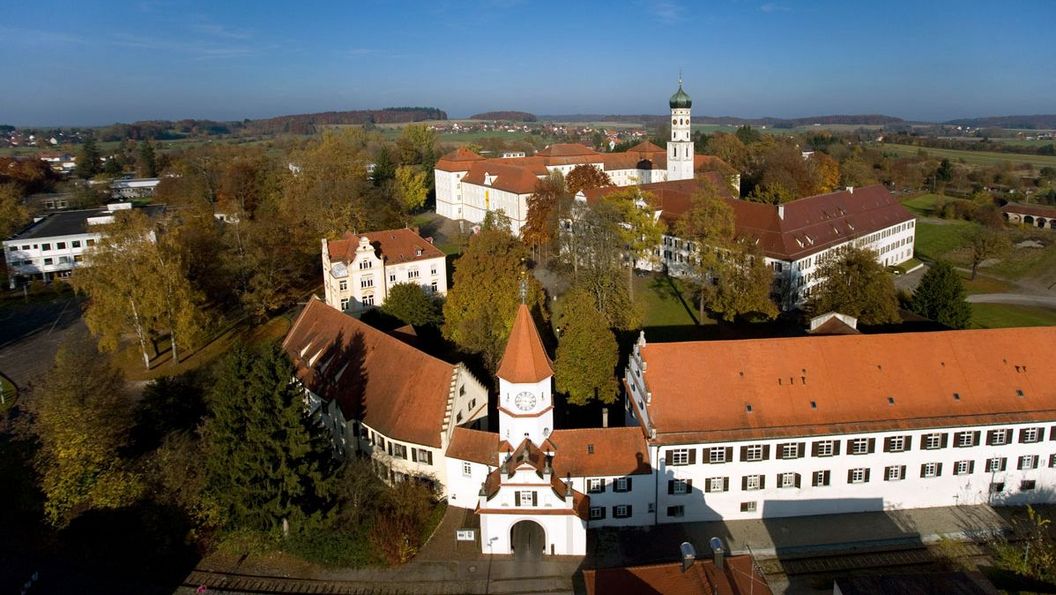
{"x":940,"y":297}
{"x":268,"y":465}
{"x":88,"y":159}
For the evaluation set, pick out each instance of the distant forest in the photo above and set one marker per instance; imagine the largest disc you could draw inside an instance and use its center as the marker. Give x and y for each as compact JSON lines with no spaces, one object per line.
{"x":652,"y":120}
{"x":1036,"y":122}
{"x":293,"y":124}
{"x":507,"y":116}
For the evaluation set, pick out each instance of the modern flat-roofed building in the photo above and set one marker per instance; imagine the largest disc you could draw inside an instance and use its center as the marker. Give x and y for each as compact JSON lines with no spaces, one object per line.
{"x":54,"y":245}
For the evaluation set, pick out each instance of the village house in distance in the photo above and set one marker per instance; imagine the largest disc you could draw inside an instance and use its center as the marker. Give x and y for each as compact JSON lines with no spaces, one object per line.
{"x":360,"y":269}
{"x":715,"y":430}
{"x":795,"y":237}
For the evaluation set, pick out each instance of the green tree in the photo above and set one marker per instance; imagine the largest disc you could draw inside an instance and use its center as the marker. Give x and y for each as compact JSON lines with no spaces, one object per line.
{"x":855,"y":284}
{"x":940,"y":297}
{"x":482,"y":302}
{"x":412,"y":186}
{"x":13,"y":212}
{"x":586,"y":352}
{"x":136,"y":283}
{"x":417,"y":145}
{"x":267,"y":464}
{"x":82,"y":420}
{"x":985,"y":244}
{"x":637,"y":229}
{"x":412,"y":304}
{"x":748,"y":135}
{"x":742,"y":283}
{"x":88,"y":159}
{"x":146,"y":161}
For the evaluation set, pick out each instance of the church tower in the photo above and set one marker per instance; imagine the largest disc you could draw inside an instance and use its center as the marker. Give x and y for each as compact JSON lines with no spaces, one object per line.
{"x":680,"y":149}
{"x":526,"y":404}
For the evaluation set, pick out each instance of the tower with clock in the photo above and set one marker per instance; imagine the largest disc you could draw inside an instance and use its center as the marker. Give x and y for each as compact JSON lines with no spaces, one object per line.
{"x":526,"y":404}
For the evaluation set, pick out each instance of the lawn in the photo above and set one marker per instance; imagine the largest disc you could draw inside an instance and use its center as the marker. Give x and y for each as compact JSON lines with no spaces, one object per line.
{"x":973,"y":157}
{"x":923,"y":204}
{"x":1037,"y":264}
{"x":665,"y":301}
{"x":130,"y":359}
{"x":1005,"y":315}
{"x":943,"y":240}
{"x":9,"y":393}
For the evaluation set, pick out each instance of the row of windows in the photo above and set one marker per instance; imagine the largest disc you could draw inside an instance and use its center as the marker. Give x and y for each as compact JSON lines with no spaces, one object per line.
{"x":856,"y":446}
{"x":47,"y":247}
{"x":619,"y":511}
{"x":620,"y":484}
{"x":857,"y":475}
{"x":395,"y":449}
{"x":49,"y":261}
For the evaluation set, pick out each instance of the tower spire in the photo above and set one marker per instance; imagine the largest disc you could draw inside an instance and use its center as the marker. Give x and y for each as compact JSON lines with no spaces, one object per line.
{"x":523,"y":289}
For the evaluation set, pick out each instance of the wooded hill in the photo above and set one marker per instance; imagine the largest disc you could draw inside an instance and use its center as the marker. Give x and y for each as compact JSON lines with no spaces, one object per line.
{"x":508,"y":116}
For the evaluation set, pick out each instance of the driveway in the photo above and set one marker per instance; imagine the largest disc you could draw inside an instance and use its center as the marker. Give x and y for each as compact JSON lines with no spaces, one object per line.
{"x":1018,"y":299}
{"x":31,"y":333}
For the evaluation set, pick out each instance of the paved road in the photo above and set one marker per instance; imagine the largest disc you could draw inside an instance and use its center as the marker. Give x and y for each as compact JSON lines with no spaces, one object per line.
{"x":31,"y":333}
{"x":1019,"y":299}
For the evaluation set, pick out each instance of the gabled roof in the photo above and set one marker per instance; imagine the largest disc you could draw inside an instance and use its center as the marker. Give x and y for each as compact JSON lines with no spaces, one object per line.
{"x":792,"y":230}
{"x":475,"y":446}
{"x":1025,"y":209}
{"x":528,"y":455}
{"x":504,"y":176}
{"x":647,"y":147}
{"x":394,"y":246}
{"x":567,"y":150}
{"x":375,"y":378}
{"x":525,"y":360}
{"x":458,"y":160}
{"x":816,"y":385}
{"x":600,"y":452}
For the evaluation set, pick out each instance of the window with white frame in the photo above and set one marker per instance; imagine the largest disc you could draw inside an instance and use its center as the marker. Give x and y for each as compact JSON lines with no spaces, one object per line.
{"x":748,"y":506}
{"x":930,"y":469}
{"x":432,"y":271}
{"x":896,"y":444}
{"x":787,"y":480}
{"x":997,"y":437}
{"x":680,"y":486}
{"x":790,"y":450}
{"x":860,"y":446}
{"x":1028,"y":462}
{"x":932,"y":441}
{"x":717,"y":484}
{"x":412,"y":273}
{"x":995,"y":464}
{"x":825,"y":448}
{"x":621,"y":511}
{"x":717,"y":454}
{"x":680,"y":456}
{"x":595,"y":485}
{"x":342,"y":285}
{"x":365,"y":264}
{"x":597,"y":513}
{"x":392,"y":277}
{"x":753,"y":452}
{"x":962,"y":467}
{"x":1028,"y":435}
{"x":366,"y":282}
{"x":894,"y":473}
{"x":820,"y":479}
{"x":344,"y":303}
{"x":368,"y":300}
{"x":621,"y":484}
{"x":753,"y":482}
{"x":965,"y":439}
{"x":858,"y":475}
{"x":467,"y":469}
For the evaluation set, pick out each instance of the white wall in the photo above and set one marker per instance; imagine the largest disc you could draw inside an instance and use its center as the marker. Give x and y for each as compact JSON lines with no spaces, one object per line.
{"x":29,"y":256}
{"x":536,"y":423}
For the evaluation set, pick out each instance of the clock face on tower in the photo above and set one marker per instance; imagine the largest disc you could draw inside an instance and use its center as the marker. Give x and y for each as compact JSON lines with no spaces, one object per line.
{"x":524,"y":401}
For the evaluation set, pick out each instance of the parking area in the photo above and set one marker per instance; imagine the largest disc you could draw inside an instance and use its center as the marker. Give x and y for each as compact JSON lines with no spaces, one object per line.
{"x":31,"y":332}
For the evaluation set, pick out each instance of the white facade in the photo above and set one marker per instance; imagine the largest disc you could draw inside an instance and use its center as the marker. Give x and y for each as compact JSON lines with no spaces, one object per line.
{"x":526,"y":411}
{"x":364,"y":282}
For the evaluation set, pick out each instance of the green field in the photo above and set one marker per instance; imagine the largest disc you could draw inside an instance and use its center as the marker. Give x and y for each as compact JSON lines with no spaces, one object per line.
{"x":1004,"y":315}
{"x":973,"y":157}
{"x":943,"y":241}
{"x":923,"y":205}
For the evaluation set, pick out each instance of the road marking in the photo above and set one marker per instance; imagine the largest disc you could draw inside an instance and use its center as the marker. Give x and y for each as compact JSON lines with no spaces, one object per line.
{"x":59,"y":317}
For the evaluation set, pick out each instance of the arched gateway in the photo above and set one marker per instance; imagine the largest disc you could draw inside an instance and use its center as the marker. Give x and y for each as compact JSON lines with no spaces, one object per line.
{"x":528,"y":540}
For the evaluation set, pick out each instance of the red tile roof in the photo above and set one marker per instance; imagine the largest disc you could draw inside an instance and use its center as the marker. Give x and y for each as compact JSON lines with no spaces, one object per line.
{"x":474,"y":446}
{"x":394,"y":246}
{"x":525,"y":360}
{"x":458,"y":160}
{"x":530,"y":455}
{"x":567,"y":150}
{"x":517,"y":179}
{"x":375,"y":378}
{"x":647,"y":147}
{"x":600,"y":452}
{"x":738,"y":577}
{"x":1025,"y":209}
{"x":808,"y":225}
{"x":809,"y":386}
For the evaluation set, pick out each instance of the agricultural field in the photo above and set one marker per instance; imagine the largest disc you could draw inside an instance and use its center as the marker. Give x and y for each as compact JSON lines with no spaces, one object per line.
{"x":984,"y":158}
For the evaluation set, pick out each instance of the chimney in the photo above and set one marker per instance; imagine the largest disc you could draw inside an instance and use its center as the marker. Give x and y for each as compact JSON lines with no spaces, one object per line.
{"x":689,"y":555}
{"x":604,"y":417}
{"x":717,"y":551}
{"x":781,"y":212}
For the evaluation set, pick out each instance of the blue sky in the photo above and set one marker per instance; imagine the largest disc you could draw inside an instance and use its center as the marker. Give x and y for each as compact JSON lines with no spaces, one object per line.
{"x":79,"y":62}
